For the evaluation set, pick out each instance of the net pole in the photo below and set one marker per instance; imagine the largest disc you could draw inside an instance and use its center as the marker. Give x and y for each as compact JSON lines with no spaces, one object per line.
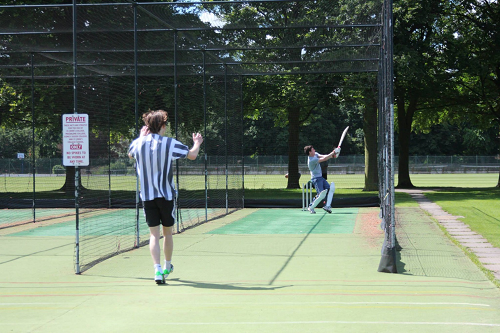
{"x":205,"y":131}
{"x":136,"y":107}
{"x":225,"y":136}
{"x":388,"y":259}
{"x":390,"y":70}
{"x":242,"y":145}
{"x":75,"y":110}
{"x":106,"y":80}
{"x":379,"y":136}
{"x":33,"y":209}
{"x":176,"y":134}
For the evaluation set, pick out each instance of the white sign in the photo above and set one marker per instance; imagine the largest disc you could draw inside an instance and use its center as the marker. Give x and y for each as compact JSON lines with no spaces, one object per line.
{"x":75,"y":139}
{"x":20,"y":156}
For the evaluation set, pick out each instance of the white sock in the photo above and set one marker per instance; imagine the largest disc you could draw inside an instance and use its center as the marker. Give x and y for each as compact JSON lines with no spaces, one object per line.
{"x":158,"y":268}
{"x":167,"y":265}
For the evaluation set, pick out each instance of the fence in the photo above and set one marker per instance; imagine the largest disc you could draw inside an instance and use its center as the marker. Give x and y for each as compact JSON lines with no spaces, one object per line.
{"x":261,"y":165}
{"x":198,"y":60}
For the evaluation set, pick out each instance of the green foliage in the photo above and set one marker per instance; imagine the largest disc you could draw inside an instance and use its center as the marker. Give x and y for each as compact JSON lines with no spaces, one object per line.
{"x":451,"y":139}
{"x":58,"y":169}
{"x":13,"y":141}
{"x":476,"y":62}
{"x":13,"y":105}
{"x":480,"y":142}
{"x":446,"y":85}
{"x":118,"y":167}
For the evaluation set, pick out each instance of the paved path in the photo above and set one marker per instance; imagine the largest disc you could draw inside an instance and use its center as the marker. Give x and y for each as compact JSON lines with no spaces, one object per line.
{"x":488,"y":255}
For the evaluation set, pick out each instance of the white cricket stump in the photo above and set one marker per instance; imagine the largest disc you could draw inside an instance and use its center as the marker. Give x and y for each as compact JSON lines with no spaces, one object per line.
{"x":306,"y":195}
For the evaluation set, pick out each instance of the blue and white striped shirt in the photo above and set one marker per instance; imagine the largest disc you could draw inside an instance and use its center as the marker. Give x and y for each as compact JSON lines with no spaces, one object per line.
{"x":154,"y":155}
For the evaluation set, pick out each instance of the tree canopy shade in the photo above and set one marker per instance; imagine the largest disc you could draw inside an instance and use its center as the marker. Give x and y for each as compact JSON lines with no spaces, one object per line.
{"x":446,"y":72}
{"x":477,"y":66}
{"x":172,"y":45}
{"x":253,"y":37}
{"x":208,"y":64}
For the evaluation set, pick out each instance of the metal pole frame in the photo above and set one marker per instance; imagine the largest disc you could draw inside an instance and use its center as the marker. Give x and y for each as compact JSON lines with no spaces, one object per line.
{"x":205,"y":132}
{"x":242,"y":145}
{"x":225,"y":137}
{"x":136,"y":108}
{"x":109,"y":140}
{"x":390,"y":118}
{"x":33,"y":133}
{"x":388,"y":261}
{"x":77,"y":172}
{"x":176,"y":194}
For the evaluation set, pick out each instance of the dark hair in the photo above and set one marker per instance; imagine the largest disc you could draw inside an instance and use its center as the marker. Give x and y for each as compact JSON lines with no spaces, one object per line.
{"x":307,"y":149}
{"x":155,"y":120}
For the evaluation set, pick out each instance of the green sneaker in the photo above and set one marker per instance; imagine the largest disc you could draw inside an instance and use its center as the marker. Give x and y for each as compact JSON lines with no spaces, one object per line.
{"x":166,"y":272}
{"x":159,"y":278}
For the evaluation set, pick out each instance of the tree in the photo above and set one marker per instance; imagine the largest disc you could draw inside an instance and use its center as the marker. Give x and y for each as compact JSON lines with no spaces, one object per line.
{"x":361,"y":90}
{"x":105,"y":91}
{"x":477,"y":63}
{"x":282,"y":50}
{"x":421,"y":80}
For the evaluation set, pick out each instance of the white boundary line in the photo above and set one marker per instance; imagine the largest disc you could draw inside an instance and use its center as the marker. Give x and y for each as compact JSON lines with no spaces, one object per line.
{"x":8,"y":304}
{"x":294,"y":303}
{"x":309,"y":323}
{"x":350,"y":303}
{"x":335,"y":322}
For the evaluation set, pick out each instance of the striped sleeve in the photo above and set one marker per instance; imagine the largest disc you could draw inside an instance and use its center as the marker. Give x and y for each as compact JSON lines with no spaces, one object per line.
{"x":132,"y":149}
{"x":179,"y":150}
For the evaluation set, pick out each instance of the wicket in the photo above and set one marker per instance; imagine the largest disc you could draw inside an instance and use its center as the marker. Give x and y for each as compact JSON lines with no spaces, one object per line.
{"x":307,"y":195}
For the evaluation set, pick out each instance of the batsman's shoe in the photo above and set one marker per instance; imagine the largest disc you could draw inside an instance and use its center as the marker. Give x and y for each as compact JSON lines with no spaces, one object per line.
{"x":328,"y":209}
{"x":311,"y":210}
{"x":166,"y":272}
{"x":159,"y":279}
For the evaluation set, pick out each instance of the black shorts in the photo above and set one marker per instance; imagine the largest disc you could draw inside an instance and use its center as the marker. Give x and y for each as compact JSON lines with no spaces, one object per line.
{"x":159,"y":210}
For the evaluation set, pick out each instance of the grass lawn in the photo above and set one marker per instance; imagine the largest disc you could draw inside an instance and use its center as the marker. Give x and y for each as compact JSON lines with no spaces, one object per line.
{"x":480,"y":209}
{"x":472,"y":196}
{"x":256,"y":186}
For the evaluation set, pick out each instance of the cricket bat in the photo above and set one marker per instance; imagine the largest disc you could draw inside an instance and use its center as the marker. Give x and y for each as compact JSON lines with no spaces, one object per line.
{"x":343,"y":136}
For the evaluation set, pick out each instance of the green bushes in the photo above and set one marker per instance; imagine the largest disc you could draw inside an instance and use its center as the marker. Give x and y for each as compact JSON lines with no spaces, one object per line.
{"x":119,"y":167}
{"x":58,"y":169}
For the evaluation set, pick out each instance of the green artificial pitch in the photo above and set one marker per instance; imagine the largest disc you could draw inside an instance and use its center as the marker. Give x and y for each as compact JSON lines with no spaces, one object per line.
{"x":293,"y":221}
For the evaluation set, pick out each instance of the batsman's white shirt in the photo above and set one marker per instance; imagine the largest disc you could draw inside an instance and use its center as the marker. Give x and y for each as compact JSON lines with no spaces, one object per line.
{"x":154,"y":155}
{"x":314,"y":167}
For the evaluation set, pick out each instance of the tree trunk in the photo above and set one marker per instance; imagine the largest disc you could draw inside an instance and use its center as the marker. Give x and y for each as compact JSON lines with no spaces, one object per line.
{"x":293,"y":142}
{"x":69,"y":183}
{"x":405,"y":119}
{"x":371,"y":146}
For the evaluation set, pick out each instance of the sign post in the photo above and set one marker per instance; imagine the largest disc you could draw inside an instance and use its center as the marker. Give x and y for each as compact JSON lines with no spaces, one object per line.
{"x":76,"y":154}
{"x":75,"y":139}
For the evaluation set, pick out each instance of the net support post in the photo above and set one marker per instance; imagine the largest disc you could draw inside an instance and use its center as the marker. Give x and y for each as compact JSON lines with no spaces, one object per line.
{"x":136,"y":114}
{"x":33,"y":163}
{"x":205,"y":132}
{"x":225,"y":138}
{"x":388,"y":262}
{"x":77,"y":220}
{"x":77,"y":171}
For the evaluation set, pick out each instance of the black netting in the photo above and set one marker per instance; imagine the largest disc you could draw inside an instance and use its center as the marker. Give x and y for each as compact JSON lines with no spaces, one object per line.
{"x":197,"y":61}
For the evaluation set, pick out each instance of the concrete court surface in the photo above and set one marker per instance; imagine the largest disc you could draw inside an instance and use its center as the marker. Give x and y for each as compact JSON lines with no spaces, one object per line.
{"x":256,"y":270}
